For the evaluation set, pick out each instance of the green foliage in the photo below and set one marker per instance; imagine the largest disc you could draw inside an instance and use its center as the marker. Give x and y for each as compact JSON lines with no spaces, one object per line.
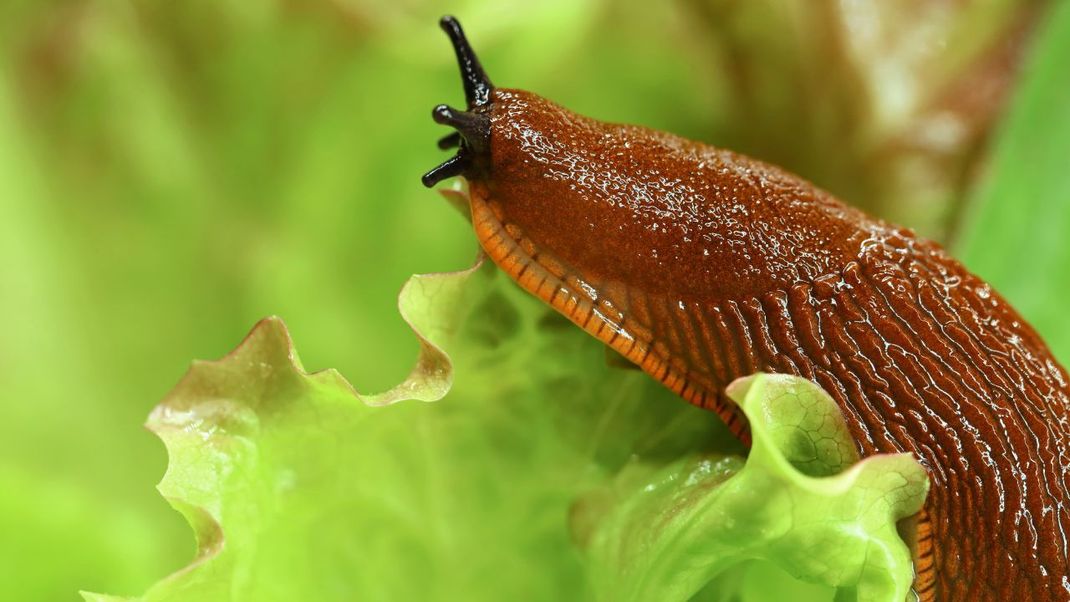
{"x":802,"y":501}
{"x":172,"y":172}
{"x":1017,"y":236}
{"x":299,"y":488}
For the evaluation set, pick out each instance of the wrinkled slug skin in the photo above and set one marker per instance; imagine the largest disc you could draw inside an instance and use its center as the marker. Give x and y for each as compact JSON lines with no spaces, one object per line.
{"x":701,"y":265}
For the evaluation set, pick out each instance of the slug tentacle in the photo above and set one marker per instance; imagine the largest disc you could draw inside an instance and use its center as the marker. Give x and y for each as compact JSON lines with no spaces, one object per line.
{"x":473,"y":126}
{"x":449,"y":141}
{"x":473,"y":138}
{"x":454,"y":166}
{"x":477,"y":86}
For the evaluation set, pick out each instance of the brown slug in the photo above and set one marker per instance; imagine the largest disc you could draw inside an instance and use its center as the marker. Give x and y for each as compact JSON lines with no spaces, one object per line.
{"x":701,"y":266}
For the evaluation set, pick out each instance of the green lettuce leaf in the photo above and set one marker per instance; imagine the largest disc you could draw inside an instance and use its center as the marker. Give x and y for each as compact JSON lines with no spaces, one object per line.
{"x":243,"y":435}
{"x":801,"y":500}
{"x":299,"y":488}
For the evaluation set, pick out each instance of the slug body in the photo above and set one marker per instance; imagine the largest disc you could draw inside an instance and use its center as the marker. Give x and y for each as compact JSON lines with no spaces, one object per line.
{"x":701,"y":266}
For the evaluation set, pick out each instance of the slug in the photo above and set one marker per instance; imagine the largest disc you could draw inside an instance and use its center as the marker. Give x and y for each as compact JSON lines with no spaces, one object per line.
{"x":701,"y":265}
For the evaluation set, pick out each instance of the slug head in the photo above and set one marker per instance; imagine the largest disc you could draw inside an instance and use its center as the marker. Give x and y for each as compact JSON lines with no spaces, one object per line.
{"x":625,"y":204}
{"x":472,"y":138}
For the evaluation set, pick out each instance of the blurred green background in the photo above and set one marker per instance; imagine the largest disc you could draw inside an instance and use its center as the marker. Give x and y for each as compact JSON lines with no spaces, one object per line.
{"x":172,"y":172}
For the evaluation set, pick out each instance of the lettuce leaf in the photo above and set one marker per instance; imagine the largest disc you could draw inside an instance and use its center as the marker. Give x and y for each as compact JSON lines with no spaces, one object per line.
{"x":247,"y":463}
{"x":801,"y":500}
{"x":299,"y":488}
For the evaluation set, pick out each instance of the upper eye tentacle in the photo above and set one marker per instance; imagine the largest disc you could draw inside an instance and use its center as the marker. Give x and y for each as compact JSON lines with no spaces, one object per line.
{"x":477,"y":86}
